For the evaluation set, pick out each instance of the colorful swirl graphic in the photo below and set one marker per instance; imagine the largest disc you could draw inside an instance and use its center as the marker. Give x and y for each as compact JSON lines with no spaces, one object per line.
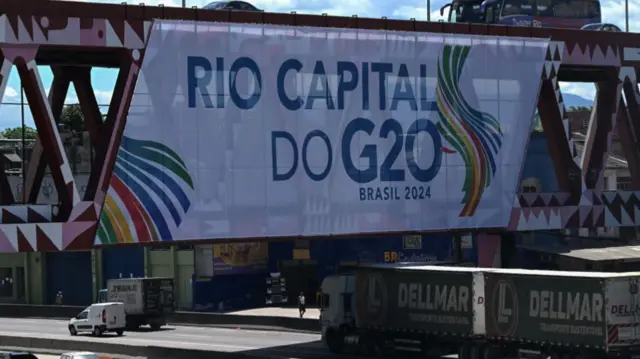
{"x":475,"y":135}
{"x":147,"y":177}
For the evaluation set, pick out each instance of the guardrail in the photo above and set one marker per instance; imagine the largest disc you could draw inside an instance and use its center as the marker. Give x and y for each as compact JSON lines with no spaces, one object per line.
{"x":150,"y":352}
{"x":177,"y":318}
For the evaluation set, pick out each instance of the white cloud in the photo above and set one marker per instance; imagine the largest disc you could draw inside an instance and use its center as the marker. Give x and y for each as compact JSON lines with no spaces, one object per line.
{"x":587,"y":91}
{"x":418,"y":13}
{"x":613,"y":11}
{"x":10,"y":92}
{"x":103,"y":97}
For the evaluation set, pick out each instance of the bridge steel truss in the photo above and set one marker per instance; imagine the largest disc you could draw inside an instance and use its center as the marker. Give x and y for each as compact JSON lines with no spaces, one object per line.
{"x":74,"y":37}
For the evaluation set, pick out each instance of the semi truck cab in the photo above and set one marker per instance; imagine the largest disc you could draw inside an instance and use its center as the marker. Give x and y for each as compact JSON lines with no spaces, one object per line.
{"x":337,"y":301}
{"x":337,"y":317}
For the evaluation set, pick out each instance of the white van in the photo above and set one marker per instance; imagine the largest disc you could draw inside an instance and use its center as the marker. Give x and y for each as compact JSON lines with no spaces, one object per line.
{"x":99,"y":318}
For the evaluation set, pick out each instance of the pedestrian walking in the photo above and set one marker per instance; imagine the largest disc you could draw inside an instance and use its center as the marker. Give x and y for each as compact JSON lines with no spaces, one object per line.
{"x":302,"y":304}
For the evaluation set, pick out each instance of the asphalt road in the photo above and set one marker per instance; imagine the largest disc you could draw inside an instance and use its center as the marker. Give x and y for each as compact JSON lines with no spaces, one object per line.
{"x":271,"y":343}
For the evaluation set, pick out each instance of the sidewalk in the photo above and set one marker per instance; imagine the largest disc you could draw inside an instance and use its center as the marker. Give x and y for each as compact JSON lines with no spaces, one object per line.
{"x":312,"y":313}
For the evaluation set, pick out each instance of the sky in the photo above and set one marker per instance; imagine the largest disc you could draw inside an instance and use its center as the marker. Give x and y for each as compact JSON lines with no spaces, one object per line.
{"x":11,"y":113}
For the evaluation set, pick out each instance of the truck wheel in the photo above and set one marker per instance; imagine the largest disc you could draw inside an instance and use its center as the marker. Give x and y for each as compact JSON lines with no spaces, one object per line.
{"x":475,"y":351}
{"x":72,"y":330}
{"x":378,"y":349}
{"x":464,"y":351}
{"x":97,"y":331}
{"x":119,"y":332}
{"x":335,"y":342}
{"x":155,"y":326}
{"x":489,"y":352}
{"x":365,"y":346}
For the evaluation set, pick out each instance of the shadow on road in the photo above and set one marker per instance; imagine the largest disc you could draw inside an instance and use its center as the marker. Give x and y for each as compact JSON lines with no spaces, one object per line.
{"x":149,"y":330}
{"x":309,"y":350}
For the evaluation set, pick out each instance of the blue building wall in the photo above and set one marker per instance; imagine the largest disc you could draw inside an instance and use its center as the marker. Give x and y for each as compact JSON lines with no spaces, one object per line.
{"x":239,"y":291}
{"x":70,"y":273}
{"x":279,"y":251}
{"x":122,"y":262}
{"x":229,"y":292}
{"x":538,"y":163}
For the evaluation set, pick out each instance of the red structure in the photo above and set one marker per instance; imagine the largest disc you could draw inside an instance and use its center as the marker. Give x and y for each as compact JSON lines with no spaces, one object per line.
{"x":74,"y":37}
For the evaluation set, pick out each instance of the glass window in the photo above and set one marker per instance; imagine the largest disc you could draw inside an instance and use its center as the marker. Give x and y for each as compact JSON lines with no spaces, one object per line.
{"x":491,"y":15}
{"x":216,"y":5}
{"x":243,"y":6}
{"x":576,"y":9}
{"x":83,"y":315}
{"x":235,"y":5}
{"x":610,"y":27}
{"x":519,"y":7}
{"x":466,"y":12}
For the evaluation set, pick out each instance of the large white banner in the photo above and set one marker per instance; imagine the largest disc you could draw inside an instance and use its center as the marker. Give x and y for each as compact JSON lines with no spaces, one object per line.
{"x":239,"y":131}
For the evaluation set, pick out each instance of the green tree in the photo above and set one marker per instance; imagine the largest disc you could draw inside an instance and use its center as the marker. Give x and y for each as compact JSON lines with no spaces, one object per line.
{"x":72,"y":118}
{"x":16,"y":133}
{"x":579,"y":109}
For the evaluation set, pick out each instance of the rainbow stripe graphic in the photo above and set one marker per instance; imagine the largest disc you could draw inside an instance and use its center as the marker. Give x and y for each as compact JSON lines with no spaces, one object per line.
{"x":149,"y":179}
{"x":475,"y":135}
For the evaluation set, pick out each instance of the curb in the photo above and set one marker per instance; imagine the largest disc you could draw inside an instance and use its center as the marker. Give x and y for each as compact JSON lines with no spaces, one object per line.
{"x":72,"y":345}
{"x":49,"y":351}
{"x":177,"y":318}
{"x":40,"y":345}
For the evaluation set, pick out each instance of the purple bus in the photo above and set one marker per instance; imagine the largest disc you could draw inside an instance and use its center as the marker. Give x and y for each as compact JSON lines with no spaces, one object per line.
{"x":572,"y":14}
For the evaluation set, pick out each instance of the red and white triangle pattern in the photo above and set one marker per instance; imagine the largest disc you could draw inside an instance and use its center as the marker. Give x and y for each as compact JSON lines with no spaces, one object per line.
{"x":545,"y":211}
{"x":32,"y":213}
{"x":28,"y":228}
{"x":28,"y":29}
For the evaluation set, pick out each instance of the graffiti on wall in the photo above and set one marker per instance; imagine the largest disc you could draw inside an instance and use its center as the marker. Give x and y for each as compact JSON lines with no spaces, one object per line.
{"x":48,"y":194}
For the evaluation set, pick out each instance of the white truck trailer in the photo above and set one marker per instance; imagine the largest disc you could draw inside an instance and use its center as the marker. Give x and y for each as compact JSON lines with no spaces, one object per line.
{"x":481,"y":313}
{"x":148,"y":301}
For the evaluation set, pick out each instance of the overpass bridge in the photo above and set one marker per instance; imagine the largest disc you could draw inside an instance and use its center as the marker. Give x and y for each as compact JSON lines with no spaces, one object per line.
{"x":74,"y":37}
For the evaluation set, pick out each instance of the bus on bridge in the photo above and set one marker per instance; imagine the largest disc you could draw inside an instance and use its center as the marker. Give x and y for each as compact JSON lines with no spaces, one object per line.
{"x":572,"y":14}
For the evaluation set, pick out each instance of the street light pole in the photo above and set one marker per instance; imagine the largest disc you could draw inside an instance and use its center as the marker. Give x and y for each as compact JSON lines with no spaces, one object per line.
{"x":626,"y":15}
{"x":184,"y":3}
{"x":428,"y":10}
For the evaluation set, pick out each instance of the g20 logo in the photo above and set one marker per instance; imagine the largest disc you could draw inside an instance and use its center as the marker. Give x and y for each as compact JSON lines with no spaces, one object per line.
{"x":384,"y":172}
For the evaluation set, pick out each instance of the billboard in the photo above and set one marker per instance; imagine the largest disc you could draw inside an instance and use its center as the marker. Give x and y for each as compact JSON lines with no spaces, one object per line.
{"x":252,"y":131}
{"x":240,"y":258}
{"x":231,"y":258}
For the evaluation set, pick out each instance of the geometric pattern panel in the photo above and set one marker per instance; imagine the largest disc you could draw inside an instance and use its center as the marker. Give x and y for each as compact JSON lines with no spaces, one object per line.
{"x":46,"y":237}
{"x":544,"y":211}
{"x":73,"y":32}
{"x":29,"y":213}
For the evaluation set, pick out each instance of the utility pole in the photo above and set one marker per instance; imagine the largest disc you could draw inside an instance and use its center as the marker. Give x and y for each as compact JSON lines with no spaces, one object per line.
{"x":429,"y":10}
{"x":184,"y":3}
